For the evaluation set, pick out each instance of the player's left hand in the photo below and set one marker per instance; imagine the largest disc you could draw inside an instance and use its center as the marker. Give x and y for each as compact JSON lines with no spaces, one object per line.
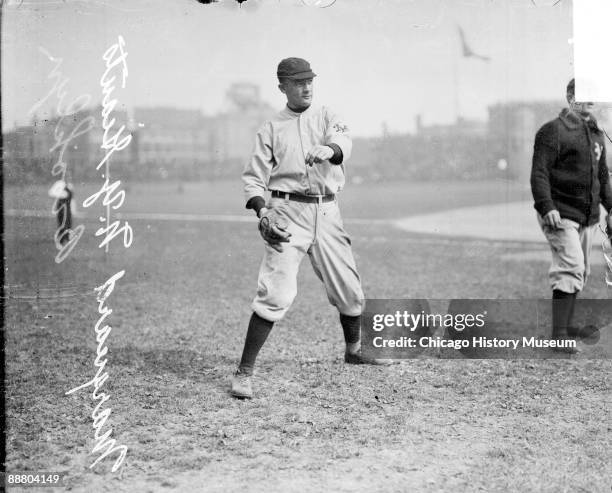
{"x":273,"y":228}
{"x":318,"y":154}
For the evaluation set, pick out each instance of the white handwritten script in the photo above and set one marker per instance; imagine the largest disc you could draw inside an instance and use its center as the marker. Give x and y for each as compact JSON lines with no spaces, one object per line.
{"x":113,"y":197}
{"x":115,"y":57}
{"x":104,"y":444}
{"x":61,"y":143}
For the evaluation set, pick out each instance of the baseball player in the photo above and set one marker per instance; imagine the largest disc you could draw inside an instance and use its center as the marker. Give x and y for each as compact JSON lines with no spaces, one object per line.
{"x":569,"y":181}
{"x":299,"y":158}
{"x":63,"y":194}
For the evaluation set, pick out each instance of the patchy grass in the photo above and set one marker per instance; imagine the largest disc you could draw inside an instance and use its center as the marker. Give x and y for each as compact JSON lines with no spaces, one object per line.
{"x":179,"y":318}
{"x":368,"y":200}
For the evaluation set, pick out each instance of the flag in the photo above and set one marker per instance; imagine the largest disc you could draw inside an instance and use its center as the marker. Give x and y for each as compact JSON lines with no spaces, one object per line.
{"x":467,"y":50}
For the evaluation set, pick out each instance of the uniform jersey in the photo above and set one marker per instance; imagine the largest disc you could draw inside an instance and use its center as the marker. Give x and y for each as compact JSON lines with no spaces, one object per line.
{"x":279,"y":157}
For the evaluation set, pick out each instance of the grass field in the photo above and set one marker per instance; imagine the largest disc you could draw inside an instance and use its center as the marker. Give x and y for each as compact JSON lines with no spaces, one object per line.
{"x":178,"y":323}
{"x":373,"y":201}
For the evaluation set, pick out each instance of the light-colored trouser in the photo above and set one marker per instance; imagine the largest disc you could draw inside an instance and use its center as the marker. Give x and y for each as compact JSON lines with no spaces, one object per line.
{"x":317,"y":230}
{"x":571,"y":248}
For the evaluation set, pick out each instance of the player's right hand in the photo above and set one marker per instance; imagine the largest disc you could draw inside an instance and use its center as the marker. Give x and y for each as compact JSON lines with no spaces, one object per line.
{"x":318,"y":154}
{"x":273,"y":228}
{"x":552,"y":219}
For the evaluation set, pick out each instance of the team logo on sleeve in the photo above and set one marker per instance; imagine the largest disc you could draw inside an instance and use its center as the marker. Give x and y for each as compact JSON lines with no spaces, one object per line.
{"x":338,"y":127}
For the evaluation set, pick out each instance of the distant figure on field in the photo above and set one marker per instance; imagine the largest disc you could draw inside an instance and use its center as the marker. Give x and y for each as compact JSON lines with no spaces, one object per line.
{"x":63,"y":193}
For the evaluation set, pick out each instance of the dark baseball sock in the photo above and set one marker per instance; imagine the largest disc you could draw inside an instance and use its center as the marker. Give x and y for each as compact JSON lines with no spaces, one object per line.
{"x":571,"y":329}
{"x":351,"y":327}
{"x":257,"y":333}
{"x":562,"y":311}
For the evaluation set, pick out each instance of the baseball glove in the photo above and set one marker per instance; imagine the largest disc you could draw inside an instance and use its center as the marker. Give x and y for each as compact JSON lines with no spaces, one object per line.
{"x":273,"y":229}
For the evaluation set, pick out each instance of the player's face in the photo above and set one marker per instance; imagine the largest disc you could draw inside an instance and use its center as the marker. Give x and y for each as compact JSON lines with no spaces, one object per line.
{"x":583,"y":109}
{"x":298,"y":92}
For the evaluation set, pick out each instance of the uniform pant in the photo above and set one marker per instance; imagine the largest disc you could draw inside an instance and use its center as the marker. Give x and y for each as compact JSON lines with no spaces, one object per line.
{"x":317,"y":230}
{"x":571,"y":248}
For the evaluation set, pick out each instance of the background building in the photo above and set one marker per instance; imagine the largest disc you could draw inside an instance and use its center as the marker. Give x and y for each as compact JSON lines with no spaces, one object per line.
{"x":512,"y":128}
{"x":186,"y":144}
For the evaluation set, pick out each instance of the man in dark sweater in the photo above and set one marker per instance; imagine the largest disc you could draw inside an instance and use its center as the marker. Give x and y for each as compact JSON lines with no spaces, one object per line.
{"x":569,"y":181}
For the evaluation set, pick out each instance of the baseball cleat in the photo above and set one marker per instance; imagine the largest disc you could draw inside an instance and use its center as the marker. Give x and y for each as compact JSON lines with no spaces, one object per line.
{"x":359,"y":358}
{"x":587,"y":332}
{"x":242,"y":387}
{"x":566,"y":350}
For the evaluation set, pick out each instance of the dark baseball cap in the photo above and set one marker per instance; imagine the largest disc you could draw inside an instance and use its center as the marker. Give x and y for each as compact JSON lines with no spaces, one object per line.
{"x":294,"y":68}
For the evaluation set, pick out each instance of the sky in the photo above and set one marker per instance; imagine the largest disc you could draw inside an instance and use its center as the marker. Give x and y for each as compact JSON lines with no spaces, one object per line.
{"x":377,"y":61}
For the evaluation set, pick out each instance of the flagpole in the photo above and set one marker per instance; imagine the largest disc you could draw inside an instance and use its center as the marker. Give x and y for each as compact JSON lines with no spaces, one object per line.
{"x":466,"y":52}
{"x":456,"y":88}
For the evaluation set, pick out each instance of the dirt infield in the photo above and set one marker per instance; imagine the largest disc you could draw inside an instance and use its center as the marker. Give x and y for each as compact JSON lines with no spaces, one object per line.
{"x":514,"y":221}
{"x":178,"y":322}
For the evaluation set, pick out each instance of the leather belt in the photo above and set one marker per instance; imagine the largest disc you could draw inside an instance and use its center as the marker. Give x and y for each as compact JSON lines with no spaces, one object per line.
{"x":312,"y":199}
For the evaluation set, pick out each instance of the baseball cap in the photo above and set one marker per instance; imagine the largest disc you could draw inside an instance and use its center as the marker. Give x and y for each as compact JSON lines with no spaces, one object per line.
{"x":294,"y":68}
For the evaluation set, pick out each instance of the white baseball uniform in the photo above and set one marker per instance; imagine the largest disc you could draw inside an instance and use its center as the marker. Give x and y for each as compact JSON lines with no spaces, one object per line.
{"x":279,"y":164}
